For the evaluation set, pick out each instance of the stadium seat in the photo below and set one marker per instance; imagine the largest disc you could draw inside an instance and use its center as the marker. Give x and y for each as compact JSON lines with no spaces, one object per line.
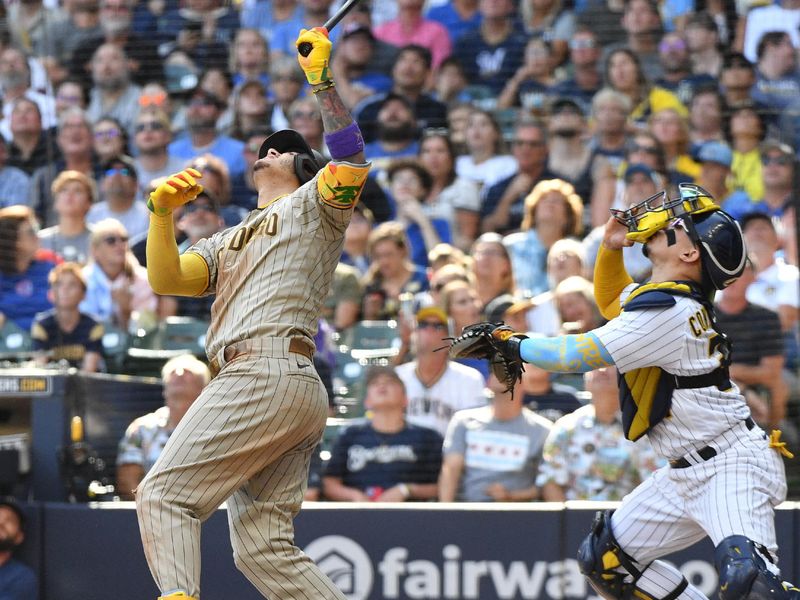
{"x":15,"y":342}
{"x":184,"y":333}
{"x":372,"y":335}
{"x":115,"y":348}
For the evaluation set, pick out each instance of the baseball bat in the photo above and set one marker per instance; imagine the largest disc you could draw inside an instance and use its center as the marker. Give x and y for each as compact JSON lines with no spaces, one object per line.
{"x":305,"y":48}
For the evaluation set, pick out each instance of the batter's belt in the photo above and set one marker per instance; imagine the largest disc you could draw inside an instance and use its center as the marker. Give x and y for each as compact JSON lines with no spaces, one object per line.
{"x":270,"y":347}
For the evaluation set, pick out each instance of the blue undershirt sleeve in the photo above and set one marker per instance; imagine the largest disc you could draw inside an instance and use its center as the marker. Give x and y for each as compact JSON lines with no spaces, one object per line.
{"x":566,"y":353}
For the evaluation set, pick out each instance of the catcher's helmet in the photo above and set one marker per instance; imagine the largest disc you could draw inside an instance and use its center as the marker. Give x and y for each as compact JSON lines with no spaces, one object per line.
{"x":722,"y":248}
{"x":307,"y":162}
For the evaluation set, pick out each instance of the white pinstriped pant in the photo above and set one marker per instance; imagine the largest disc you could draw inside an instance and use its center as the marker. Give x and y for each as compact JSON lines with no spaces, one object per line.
{"x":247,"y":439}
{"x":733,"y":493}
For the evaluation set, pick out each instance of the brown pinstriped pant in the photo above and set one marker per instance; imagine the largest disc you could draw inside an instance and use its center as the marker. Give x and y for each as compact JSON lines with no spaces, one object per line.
{"x":247,"y":439}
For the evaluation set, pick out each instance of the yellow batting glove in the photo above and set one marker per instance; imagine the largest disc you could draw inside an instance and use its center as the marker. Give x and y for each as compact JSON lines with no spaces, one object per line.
{"x":315,"y":65}
{"x":176,"y":191}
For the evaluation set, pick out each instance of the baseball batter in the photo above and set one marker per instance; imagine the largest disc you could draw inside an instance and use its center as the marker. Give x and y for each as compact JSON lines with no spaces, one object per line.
{"x":724,"y":476}
{"x":248,"y":438}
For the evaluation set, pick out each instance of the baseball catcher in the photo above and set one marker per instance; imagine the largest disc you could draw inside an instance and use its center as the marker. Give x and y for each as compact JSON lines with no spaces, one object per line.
{"x":724,"y":474}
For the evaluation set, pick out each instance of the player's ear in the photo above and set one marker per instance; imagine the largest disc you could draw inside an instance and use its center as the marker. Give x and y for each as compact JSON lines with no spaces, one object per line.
{"x":691,"y":255}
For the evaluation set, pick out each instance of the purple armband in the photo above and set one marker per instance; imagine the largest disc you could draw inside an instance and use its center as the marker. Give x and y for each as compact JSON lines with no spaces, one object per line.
{"x":345,"y":142}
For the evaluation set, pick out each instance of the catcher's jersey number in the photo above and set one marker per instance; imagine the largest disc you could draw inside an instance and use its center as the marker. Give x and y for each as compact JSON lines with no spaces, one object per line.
{"x":243,"y":235}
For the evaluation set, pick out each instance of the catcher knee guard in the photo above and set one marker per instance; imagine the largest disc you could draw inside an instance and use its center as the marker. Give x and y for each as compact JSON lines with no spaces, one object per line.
{"x":600,"y":558}
{"x":743,"y":572}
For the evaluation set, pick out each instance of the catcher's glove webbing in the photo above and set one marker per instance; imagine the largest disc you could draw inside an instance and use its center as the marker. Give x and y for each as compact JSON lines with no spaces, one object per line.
{"x":496,"y":342}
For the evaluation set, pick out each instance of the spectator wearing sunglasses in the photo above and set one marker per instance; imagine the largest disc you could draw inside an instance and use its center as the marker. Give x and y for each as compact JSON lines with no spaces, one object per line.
{"x":116,"y":284}
{"x":777,"y":168}
{"x":119,"y":190}
{"x":110,"y":139}
{"x":437,"y":387}
{"x":584,"y":56}
{"x":151,"y":137}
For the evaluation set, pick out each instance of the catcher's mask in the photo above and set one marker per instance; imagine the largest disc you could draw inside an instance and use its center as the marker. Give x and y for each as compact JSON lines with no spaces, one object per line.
{"x":712,"y":230}
{"x":307,"y":161}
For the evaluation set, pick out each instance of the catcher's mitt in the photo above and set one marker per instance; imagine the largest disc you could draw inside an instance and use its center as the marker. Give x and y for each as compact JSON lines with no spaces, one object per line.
{"x":496,"y":342}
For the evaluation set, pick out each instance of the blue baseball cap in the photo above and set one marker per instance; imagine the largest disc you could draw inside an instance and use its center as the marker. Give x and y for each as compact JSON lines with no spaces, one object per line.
{"x":642,"y":168}
{"x":715,"y":152}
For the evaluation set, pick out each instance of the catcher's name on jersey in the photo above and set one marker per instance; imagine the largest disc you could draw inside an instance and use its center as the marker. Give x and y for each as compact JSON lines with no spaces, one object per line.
{"x":271,"y":272}
{"x":681,"y":340}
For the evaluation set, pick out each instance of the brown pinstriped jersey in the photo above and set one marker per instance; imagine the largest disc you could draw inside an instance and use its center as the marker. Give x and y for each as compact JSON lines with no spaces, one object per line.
{"x":272,"y":272}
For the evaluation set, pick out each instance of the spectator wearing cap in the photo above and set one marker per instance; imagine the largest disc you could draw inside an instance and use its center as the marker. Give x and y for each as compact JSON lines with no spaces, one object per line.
{"x":287,"y":83}
{"x":703,"y":40}
{"x":356,"y":76}
{"x":201,"y":133}
{"x":553,"y":211}
{"x":17,"y":580}
{"x":492,"y":52}
{"x":75,"y":142}
{"x":715,"y":160}
{"x":152,"y":135}
{"x":783,"y":16}
{"x":584,"y":57}
{"x":503,"y":204}
{"x":640,"y":182}
{"x":746,"y":130}
{"x":14,"y":182}
{"x":570,"y":158}
{"x":778,"y":170}
{"x":74,"y":193}
{"x":387,"y":459}
{"x":410,"y":27}
{"x":531,"y":86}
{"x":397,"y":132}
{"x":116,"y":284}
{"x":113,"y":94}
{"x":492,"y":453}
{"x":777,"y":82}
{"x":119,"y":189}
{"x":436,"y":387}
{"x":676,"y":68}
{"x":458,"y":16}
{"x":411,"y":72}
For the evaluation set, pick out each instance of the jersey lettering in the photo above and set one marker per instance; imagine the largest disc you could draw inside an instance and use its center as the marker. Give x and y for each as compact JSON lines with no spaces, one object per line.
{"x":699,"y":322}
{"x":243,"y":235}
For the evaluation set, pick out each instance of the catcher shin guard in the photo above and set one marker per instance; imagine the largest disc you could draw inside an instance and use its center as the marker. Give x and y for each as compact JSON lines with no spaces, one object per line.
{"x":743,"y":572}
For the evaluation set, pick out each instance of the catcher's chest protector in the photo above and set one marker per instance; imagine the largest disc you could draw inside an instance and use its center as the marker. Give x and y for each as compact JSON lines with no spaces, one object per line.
{"x":645,"y":394}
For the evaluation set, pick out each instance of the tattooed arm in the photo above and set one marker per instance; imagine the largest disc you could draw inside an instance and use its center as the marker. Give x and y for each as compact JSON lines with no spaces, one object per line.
{"x":335,"y":116}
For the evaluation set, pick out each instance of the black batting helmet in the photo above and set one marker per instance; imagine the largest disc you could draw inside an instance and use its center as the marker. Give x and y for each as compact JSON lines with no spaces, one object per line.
{"x":307,"y":162}
{"x":722,"y":248}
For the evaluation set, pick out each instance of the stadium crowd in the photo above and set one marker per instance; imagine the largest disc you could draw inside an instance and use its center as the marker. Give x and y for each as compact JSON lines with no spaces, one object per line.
{"x":500,"y":132}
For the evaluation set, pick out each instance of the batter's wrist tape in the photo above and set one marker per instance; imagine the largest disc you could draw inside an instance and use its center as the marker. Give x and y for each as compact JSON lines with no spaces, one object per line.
{"x":157,"y":210}
{"x":326,"y":85}
{"x":345,"y":142}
